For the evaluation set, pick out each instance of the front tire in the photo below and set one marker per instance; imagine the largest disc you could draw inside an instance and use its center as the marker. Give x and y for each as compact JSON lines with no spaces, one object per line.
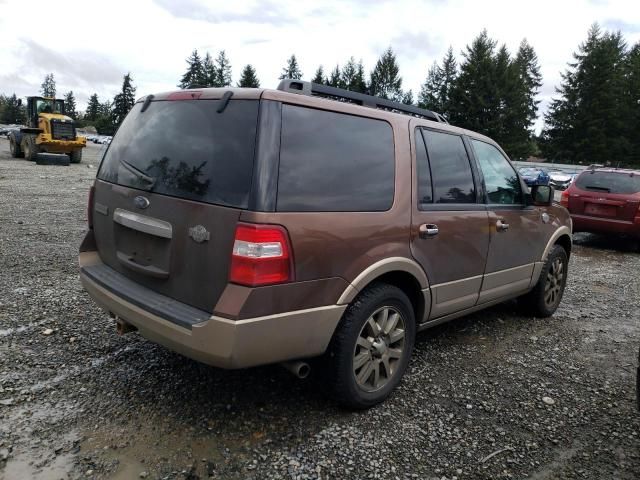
{"x":76,"y":156}
{"x":371,"y":347}
{"x":30,"y":147}
{"x":545,"y":298}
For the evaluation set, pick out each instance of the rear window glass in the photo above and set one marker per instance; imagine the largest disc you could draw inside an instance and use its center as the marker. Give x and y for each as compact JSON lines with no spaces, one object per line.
{"x":186,"y":149}
{"x":334,"y":162}
{"x":609,"y":182}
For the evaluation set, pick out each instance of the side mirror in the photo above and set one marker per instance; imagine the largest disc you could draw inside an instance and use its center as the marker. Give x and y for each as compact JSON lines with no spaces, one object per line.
{"x":542,"y":195}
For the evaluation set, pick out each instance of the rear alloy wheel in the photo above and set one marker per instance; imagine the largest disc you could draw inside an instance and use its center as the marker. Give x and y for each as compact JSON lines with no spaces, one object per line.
{"x":371,"y":347}
{"x":545,"y":298}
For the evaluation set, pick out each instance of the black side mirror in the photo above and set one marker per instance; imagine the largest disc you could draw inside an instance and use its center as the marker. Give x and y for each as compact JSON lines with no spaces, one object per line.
{"x":542,"y":195}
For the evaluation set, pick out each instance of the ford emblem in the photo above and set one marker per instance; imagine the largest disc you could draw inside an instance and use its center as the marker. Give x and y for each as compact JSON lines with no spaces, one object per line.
{"x":141,"y":202}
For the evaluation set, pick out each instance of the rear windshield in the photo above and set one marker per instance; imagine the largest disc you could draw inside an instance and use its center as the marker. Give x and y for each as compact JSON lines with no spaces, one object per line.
{"x":186,"y":149}
{"x":609,"y":182}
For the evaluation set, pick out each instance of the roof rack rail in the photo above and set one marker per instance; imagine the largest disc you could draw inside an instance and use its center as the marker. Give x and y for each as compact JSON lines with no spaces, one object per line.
{"x":319,"y":90}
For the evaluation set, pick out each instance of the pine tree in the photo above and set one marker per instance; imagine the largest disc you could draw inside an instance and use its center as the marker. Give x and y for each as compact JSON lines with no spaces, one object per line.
{"x":93,"y":108}
{"x":248,"y":78}
{"x":348,"y":74}
{"x":70,"y":105}
{"x":587,"y":123}
{"x":429,"y":96}
{"x":48,"y":87}
{"x":335,"y":79}
{"x":407,"y":97}
{"x":385,"y":79}
{"x":209,"y":71}
{"x":475,"y":99}
{"x":124,"y":101}
{"x":222,"y":68}
{"x":104,"y":121}
{"x":359,"y":83}
{"x":195,"y":76}
{"x":632,"y":100}
{"x":291,"y":70}
{"x":319,"y":76}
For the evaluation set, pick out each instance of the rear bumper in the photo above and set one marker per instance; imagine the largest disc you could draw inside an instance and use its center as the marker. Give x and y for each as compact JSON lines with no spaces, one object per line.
{"x":219,"y":341}
{"x":585,"y":223}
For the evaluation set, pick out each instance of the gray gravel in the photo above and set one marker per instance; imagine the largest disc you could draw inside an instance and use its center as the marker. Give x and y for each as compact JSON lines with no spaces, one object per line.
{"x":494,"y":395}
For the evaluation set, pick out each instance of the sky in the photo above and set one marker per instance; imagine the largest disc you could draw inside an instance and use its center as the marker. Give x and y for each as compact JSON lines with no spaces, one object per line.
{"x":89,"y":45}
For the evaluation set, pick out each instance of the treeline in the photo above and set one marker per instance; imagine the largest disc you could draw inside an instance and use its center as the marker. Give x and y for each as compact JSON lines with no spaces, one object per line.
{"x":596,"y":118}
{"x":490,"y":91}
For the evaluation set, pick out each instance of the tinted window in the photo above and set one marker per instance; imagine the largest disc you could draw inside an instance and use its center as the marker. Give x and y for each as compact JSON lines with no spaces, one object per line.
{"x":186,"y":149}
{"x":450,"y":168}
{"x":609,"y":182}
{"x":334,"y":162}
{"x":424,"y":173}
{"x":500,"y":179}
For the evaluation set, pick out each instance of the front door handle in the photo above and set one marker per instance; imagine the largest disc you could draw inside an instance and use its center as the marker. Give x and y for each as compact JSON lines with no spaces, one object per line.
{"x":502,"y":226}
{"x":427,"y":230}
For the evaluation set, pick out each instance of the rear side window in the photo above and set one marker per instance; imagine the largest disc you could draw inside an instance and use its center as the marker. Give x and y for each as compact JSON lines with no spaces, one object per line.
{"x":186,"y":149}
{"x":334,"y":162}
{"x":450,"y":168}
{"x":609,"y":182}
{"x":425,"y":190}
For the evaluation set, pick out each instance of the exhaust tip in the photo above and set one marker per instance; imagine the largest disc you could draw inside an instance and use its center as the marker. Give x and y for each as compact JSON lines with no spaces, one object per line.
{"x":298,"y":368}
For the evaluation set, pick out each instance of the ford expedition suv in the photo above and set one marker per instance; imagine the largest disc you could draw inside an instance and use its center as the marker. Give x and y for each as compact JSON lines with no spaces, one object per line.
{"x":309,"y":221}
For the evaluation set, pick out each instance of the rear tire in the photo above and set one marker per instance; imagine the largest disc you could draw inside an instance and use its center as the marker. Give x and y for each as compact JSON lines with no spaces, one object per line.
{"x":545,"y":298}
{"x":14,"y":147}
{"x":371,"y":347}
{"x":76,"y":156}
{"x":30,"y":147}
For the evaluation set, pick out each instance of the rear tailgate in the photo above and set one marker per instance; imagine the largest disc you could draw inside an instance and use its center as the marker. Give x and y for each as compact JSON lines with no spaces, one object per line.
{"x":169,"y":194}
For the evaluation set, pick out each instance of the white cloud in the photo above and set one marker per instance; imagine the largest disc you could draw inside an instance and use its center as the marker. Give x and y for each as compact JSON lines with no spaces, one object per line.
{"x":95,"y":43}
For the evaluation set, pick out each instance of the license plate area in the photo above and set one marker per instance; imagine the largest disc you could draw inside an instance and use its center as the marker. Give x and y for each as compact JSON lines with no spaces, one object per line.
{"x":600,"y":210}
{"x":143,"y":253}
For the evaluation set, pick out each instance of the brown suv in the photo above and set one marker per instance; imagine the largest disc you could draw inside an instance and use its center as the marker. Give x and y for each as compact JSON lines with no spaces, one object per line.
{"x":243,"y":227}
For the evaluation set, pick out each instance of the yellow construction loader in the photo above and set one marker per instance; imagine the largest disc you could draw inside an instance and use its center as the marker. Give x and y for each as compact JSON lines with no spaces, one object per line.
{"x":49,"y":132}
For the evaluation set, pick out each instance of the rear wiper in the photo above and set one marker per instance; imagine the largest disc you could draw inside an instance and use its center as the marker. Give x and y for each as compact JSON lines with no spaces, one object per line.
{"x":138,"y":173}
{"x":593,"y":187}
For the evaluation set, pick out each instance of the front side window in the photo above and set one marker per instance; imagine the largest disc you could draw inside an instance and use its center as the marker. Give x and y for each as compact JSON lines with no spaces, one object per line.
{"x":450,"y":168}
{"x":334,"y":162}
{"x":501,"y":181}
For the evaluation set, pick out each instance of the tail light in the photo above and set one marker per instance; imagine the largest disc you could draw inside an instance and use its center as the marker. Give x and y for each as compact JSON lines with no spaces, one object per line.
{"x":90,"y":206}
{"x":261,"y":256}
{"x":564,"y":199}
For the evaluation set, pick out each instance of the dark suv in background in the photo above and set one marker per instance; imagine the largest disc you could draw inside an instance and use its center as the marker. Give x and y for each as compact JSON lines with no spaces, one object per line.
{"x":282,"y":225}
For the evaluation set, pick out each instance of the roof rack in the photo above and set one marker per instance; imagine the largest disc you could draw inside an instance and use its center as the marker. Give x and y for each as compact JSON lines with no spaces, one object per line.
{"x":319,"y":90}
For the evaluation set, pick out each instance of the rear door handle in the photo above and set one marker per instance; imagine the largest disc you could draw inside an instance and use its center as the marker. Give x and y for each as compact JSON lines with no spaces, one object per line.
{"x":502,"y":226}
{"x":427,"y":230}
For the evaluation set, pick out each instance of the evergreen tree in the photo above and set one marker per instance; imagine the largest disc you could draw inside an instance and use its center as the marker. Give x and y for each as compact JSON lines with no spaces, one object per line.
{"x":248,"y":78}
{"x":124,"y":101}
{"x":348,"y":74}
{"x":104,"y":121}
{"x":48,"y":87}
{"x":222,"y":69}
{"x":70,"y":105}
{"x":385,"y":79}
{"x":335,"y":79}
{"x":632,"y":101}
{"x":209,"y":71}
{"x":429,"y":96}
{"x":291,"y":70}
{"x":475,"y":97}
{"x":319,"y":76}
{"x":195,"y":76}
{"x":407,"y":97}
{"x":11,"y":112}
{"x":93,"y":108}
{"x":359,"y":83}
{"x":587,"y":123}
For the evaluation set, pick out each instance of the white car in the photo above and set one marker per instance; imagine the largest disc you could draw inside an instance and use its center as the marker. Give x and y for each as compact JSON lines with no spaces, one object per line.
{"x":105,"y":140}
{"x":560,"y":180}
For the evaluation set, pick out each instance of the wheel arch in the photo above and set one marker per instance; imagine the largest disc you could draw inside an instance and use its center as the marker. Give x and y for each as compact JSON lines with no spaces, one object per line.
{"x":401,"y":272}
{"x":562,"y":236}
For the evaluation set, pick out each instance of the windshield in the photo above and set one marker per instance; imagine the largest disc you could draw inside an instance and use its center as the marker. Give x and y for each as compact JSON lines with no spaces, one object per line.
{"x":611,"y":182}
{"x":186,"y":149}
{"x":44,"y":105}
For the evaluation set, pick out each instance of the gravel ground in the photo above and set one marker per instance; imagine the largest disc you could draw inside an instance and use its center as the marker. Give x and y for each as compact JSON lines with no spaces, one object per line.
{"x":493,"y":395}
